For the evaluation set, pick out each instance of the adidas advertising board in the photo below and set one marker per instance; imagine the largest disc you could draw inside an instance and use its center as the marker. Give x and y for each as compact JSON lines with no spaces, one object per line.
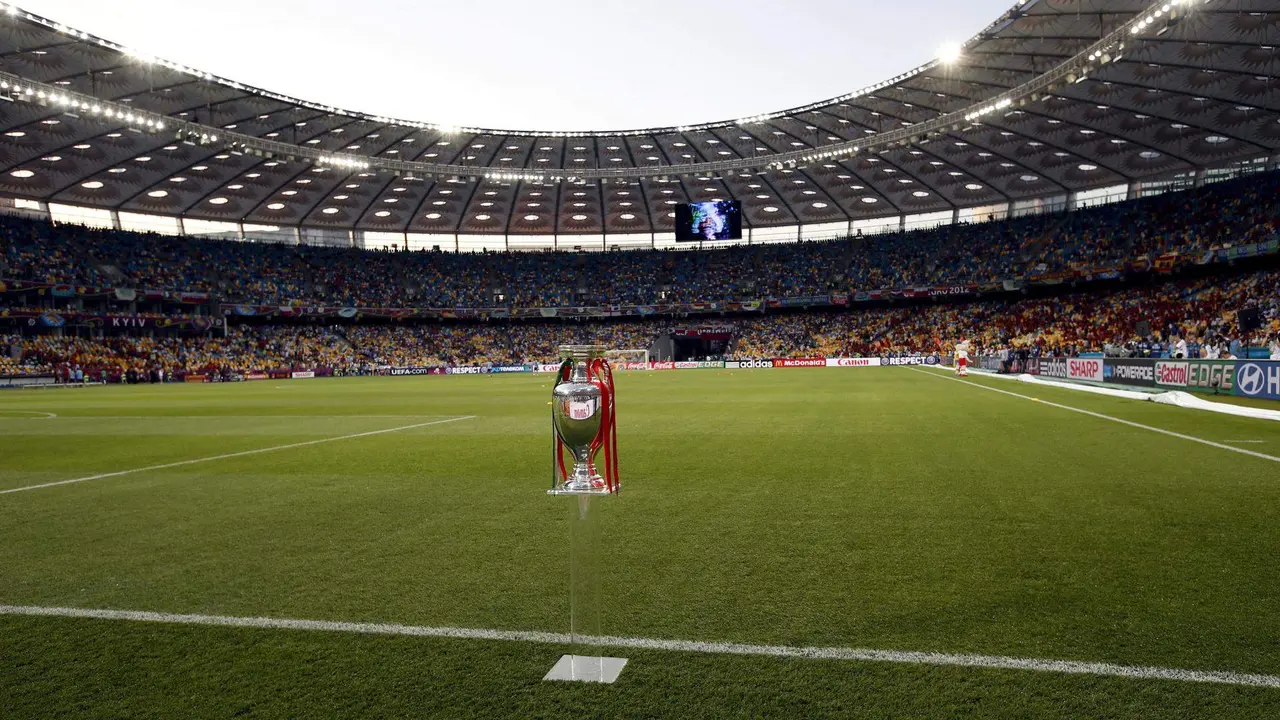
{"x":1054,"y":368}
{"x":752,"y":364}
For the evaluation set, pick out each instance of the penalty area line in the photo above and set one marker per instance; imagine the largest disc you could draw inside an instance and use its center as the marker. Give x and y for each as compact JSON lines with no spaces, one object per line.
{"x":227,"y":456}
{"x":1130,"y":423}
{"x":991,"y":662}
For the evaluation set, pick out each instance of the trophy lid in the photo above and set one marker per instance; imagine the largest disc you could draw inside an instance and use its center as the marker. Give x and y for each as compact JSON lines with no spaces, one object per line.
{"x":581,"y":352}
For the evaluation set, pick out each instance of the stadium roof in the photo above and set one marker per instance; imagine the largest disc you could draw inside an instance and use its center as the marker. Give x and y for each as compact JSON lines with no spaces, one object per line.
{"x":1055,"y":96}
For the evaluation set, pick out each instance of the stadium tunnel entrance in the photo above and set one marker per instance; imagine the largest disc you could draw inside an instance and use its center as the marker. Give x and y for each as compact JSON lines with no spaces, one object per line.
{"x":703,"y":342}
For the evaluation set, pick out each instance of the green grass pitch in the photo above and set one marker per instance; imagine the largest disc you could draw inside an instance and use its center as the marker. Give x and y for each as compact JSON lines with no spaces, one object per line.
{"x":876,"y":508}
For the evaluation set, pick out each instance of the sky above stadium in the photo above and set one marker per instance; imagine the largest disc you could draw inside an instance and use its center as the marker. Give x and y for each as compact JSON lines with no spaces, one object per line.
{"x":549,"y":65}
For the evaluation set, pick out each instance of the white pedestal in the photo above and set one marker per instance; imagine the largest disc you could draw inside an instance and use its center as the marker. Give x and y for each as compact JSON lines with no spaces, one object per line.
{"x":587,"y":668}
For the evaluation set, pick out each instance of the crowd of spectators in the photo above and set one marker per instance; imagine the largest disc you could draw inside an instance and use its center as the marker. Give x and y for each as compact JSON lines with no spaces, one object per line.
{"x":1200,"y":318}
{"x":1198,"y":315}
{"x":445,"y":345}
{"x":1188,"y":223}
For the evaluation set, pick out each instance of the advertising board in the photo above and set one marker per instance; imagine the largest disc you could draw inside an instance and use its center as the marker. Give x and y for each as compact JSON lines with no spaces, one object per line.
{"x":911,"y":360}
{"x":1137,"y":373}
{"x":1085,"y":369}
{"x":853,"y":362}
{"x":799,"y":362}
{"x":1054,"y":368}
{"x":1258,"y":379}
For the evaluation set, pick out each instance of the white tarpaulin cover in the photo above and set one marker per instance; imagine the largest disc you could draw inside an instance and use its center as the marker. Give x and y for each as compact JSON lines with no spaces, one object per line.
{"x":1164,"y":397}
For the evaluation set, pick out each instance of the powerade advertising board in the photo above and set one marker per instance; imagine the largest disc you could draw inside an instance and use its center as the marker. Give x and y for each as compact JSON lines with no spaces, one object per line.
{"x":1141,"y":373}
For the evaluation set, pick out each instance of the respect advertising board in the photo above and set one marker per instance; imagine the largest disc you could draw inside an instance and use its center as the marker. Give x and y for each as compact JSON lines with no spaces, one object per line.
{"x":911,"y":360}
{"x":1258,"y":379}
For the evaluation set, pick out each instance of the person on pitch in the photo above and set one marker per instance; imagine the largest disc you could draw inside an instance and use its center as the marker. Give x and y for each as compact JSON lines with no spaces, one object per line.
{"x":962,"y":358}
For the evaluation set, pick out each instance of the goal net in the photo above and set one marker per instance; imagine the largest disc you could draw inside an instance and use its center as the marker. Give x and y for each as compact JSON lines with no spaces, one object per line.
{"x":626,"y":356}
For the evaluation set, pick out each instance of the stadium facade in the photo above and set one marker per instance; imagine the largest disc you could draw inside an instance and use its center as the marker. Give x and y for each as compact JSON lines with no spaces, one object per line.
{"x":1057,"y":103}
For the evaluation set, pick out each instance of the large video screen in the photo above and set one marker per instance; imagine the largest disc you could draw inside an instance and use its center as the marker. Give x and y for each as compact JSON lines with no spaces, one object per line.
{"x":715,"y":220}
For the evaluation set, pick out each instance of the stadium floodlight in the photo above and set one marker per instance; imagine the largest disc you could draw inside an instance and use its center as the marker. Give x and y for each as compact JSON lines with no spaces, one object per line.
{"x":949,"y":53}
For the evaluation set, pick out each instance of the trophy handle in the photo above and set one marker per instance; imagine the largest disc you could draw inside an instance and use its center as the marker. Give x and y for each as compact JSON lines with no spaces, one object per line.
{"x":559,"y":473}
{"x":601,"y":375}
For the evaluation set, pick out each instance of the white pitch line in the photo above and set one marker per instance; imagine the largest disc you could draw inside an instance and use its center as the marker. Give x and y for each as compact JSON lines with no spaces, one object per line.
{"x":994,"y":662}
{"x":232,"y":455}
{"x":220,"y":417}
{"x":1091,"y":413}
{"x":27,"y":415}
{"x":1245,"y":442}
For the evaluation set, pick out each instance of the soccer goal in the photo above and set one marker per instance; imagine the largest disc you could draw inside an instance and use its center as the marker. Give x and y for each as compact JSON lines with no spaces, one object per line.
{"x":627,"y":356}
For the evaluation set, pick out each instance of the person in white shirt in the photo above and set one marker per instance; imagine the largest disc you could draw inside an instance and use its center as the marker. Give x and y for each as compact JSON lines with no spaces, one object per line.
{"x":1180,"y":348}
{"x":1275,"y":347}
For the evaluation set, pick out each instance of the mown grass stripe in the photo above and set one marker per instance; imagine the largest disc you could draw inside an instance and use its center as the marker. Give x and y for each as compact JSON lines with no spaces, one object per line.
{"x":1082,"y":411}
{"x":227,"y":456}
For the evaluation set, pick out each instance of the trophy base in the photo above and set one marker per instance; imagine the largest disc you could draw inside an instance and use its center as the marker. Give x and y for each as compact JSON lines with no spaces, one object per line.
{"x":572,"y":489}
{"x":584,"y":480}
{"x":587,"y":668}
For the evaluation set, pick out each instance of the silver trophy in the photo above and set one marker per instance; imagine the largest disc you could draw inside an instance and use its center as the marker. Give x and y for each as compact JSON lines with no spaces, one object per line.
{"x":584,"y":422}
{"x":582,"y":413}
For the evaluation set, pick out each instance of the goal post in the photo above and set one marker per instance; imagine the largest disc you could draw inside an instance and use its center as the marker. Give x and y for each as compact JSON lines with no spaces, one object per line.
{"x":627,"y":356}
